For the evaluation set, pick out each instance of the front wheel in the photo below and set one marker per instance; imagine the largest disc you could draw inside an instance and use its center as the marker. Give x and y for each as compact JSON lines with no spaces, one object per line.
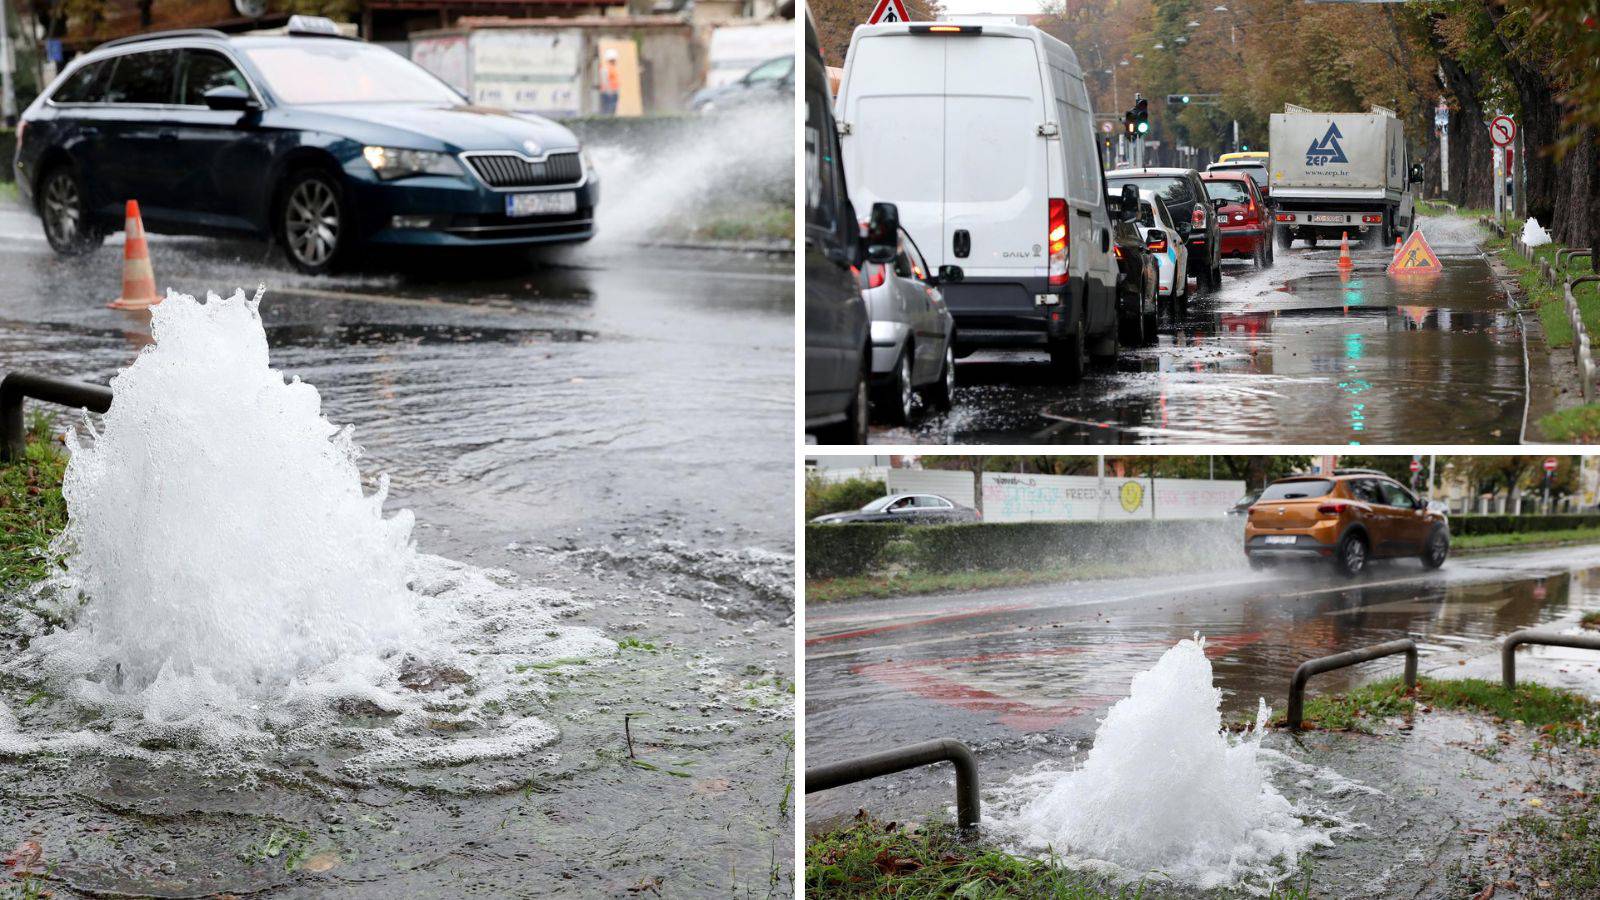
{"x":314,"y":222}
{"x":1352,"y":556}
{"x":1436,"y":549}
{"x":64,"y":210}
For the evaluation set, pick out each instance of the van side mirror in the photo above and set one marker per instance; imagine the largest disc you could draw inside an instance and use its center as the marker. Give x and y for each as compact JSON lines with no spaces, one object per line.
{"x":229,"y":97}
{"x":1128,"y":207}
{"x":883,"y":232}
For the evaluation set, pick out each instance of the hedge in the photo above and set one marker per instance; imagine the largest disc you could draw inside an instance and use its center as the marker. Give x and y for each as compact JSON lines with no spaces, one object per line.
{"x":834,"y":551}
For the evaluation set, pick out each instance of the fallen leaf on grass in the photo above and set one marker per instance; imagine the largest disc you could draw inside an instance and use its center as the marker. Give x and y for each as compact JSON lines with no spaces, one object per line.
{"x":892,"y":865}
{"x":320,"y":862}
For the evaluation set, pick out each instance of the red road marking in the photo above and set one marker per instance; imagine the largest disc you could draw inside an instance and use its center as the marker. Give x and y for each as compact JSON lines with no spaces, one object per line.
{"x":879,"y":629}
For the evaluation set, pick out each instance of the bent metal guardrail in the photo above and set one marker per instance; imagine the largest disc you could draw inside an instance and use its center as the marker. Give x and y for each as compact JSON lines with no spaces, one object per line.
{"x":1297,"y":687}
{"x":17,"y":385}
{"x":900,"y":759}
{"x":1508,"y":650}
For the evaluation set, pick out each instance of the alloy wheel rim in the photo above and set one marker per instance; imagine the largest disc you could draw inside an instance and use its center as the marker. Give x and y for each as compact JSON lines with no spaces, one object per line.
{"x":311,"y":221}
{"x":1356,"y":557}
{"x":61,"y":208}
{"x":949,"y":372}
{"x":905,"y":385}
{"x":1436,"y":547}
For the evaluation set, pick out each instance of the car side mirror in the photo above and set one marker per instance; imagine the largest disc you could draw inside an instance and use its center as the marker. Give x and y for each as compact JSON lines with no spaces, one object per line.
{"x":231,"y":98}
{"x":883,"y":227}
{"x":1416,"y":173}
{"x":1128,"y":208}
{"x":951,"y":274}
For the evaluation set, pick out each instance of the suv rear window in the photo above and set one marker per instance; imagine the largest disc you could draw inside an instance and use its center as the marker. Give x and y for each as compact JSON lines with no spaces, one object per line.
{"x":1169,"y":188}
{"x":143,"y":77}
{"x":1296,"y":490}
{"x":81,"y":86}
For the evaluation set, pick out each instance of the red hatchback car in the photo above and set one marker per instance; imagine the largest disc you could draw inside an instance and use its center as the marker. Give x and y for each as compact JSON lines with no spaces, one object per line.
{"x":1243,"y":216}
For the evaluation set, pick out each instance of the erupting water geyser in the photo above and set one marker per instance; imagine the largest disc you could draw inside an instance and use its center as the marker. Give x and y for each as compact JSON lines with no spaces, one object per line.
{"x":1165,"y":790}
{"x":218,"y":522}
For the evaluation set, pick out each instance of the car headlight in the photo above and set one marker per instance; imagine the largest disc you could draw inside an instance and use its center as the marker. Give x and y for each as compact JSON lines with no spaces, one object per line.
{"x":588,"y":162}
{"x":393,"y":162}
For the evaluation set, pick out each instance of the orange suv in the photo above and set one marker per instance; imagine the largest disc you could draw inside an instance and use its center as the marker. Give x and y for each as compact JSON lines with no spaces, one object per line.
{"x":1348,"y":518}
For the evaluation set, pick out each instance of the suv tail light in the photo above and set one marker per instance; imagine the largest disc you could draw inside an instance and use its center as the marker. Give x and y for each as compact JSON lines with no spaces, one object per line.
{"x":1332,"y":509}
{"x":1157,"y":245}
{"x":1198,"y":217}
{"x":1058,"y":241}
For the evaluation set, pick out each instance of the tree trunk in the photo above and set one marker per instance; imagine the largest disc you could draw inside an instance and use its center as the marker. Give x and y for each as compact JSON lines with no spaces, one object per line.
{"x":1471,"y":167}
{"x":1577,"y":213}
{"x":1538,"y":123}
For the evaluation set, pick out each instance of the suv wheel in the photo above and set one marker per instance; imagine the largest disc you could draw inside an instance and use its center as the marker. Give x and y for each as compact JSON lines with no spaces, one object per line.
{"x":1436,"y":549}
{"x":1352,"y":556}
{"x":892,"y":400}
{"x":64,"y":210}
{"x":313,"y":222}
{"x":941,"y":394}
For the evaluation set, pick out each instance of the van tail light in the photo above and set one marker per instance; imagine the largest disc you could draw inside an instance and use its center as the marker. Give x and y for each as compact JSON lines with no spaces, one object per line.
{"x":1058,"y":241}
{"x":1157,"y":245}
{"x":1198,"y":217}
{"x":1116,"y":250}
{"x":876,"y":275}
{"x":1332,"y":509}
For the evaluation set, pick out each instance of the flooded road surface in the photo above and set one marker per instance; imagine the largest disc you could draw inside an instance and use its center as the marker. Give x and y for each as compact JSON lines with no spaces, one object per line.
{"x":1297,"y":353}
{"x":1024,"y":675}
{"x":607,"y":431}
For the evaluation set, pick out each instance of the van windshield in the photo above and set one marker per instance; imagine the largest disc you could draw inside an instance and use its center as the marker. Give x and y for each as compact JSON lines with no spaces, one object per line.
{"x":1296,"y":490}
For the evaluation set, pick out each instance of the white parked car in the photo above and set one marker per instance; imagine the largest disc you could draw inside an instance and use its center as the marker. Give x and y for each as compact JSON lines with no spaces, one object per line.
{"x":1166,"y":245}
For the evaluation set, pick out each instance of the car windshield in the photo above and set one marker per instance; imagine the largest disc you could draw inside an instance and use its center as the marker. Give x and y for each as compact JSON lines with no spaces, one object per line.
{"x":1296,"y":490}
{"x":1231,"y":191}
{"x":880,"y":504}
{"x":334,"y":71}
{"x":1169,"y":189}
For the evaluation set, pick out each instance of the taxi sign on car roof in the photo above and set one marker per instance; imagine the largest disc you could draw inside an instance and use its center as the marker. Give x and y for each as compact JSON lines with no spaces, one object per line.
{"x":1415,"y":257}
{"x":312,"y":25}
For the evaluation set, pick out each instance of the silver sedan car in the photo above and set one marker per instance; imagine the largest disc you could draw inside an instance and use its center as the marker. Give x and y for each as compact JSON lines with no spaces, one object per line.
{"x":912,"y":335}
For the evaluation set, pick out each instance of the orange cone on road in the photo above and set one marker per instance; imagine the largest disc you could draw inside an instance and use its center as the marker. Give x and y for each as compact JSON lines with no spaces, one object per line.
{"x":1344,"y":251}
{"x":138,"y":279}
{"x":1396,"y":249}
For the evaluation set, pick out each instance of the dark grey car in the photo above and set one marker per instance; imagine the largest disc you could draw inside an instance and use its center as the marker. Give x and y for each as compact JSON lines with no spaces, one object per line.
{"x":911,"y":509}
{"x":1185,"y":197}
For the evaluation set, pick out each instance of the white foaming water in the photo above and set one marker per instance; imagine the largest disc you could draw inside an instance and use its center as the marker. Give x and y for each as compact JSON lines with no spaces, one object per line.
{"x":229,"y":583}
{"x":1165,"y":790}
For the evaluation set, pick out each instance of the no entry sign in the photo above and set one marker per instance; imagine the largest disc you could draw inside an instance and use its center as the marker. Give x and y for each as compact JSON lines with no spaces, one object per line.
{"x":1416,"y":465}
{"x":887,"y":11}
{"x":1550,"y":464}
{"x":1502,"y":131}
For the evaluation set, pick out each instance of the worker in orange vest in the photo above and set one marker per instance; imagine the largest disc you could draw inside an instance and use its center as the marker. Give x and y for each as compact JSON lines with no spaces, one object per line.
{"x":610,"y":84}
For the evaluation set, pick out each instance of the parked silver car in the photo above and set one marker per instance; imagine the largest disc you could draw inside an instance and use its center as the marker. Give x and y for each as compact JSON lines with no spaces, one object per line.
{"x":912,"y":334}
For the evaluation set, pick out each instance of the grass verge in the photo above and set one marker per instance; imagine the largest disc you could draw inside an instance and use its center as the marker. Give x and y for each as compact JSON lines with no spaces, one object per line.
{"x":1438,"y":208}
{"x":1517,"y":539}
{"x":763,"y":223}
{"x":874,"y":859}
{"x":32,"y":511}
{"x":1560,"y":716}
{"x":8,"y":192}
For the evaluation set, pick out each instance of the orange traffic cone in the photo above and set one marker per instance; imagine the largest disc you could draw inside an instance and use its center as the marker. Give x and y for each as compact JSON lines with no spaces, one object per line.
{"x":1396,"y":248}
{"x":138,"y":279}
{"x":1344,"y":251}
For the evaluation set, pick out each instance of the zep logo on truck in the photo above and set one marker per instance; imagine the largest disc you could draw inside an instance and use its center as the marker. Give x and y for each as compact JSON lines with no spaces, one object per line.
{"x":1327,"y":150}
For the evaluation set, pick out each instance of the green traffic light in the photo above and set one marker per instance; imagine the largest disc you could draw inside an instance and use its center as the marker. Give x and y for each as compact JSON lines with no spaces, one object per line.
{"x":1186,"y":98}
{"x":1144,"y":127}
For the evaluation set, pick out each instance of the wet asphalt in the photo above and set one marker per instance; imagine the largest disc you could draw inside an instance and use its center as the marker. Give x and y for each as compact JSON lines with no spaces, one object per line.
{"x":615,"y":421}
{"x":1024,"y":675}
{"x":1296,"y":353}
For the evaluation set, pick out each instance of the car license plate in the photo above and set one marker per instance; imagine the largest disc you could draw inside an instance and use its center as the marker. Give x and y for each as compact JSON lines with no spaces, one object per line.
{"x":1280,"y":539}
{"x":1336,"y":220}
{"x":546,"y":204}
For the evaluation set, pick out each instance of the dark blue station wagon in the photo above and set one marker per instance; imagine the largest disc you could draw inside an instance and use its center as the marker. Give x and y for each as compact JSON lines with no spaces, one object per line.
{"x":318,"y":142}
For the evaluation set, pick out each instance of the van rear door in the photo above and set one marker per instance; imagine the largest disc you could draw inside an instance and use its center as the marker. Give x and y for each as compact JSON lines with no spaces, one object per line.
{"x":996,"y":184}
{"x":892,"y":100}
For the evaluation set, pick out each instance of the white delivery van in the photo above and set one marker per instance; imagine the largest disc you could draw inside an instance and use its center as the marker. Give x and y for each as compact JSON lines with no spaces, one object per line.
{"x":1336,"y":173}
{"x":983,"y":137}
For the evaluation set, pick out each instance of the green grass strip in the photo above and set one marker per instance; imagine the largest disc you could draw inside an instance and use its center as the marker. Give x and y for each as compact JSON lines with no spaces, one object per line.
{"x":1560,"y":715}
{"x":32,"y":511}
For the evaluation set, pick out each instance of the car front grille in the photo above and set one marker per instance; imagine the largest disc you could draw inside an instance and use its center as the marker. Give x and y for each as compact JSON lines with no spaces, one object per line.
{"x":508,"y":170}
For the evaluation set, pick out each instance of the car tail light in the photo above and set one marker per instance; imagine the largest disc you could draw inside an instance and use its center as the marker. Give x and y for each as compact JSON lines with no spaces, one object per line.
{"x":1332,"y":509}
{"x":1198,"y":217}
{"x":1285,"y":217}
{"x":1157,"y":245}
{"x":876,"y":274}
{"x":1058,"y":241}
{"x":1252,"y":212}
{"x":1372,"y":220}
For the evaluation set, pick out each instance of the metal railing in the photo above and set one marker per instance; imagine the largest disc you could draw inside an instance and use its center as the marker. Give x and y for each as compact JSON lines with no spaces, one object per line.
{"x":1297,"y":687}
{"x":1558,"y":273}
{"x":900,"y":759}
{"x":18,"y":385}
{"x":1508,"y":649}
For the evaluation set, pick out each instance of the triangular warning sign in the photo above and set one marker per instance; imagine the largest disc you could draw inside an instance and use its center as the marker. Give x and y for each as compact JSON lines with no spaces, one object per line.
{"x":887,"y":12}
{"x":1415,"y":256}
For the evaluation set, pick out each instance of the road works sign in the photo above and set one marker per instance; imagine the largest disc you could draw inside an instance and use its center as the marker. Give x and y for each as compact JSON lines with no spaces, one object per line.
{"x":887,"y":11}
{"x":1415,"y":257}
{"x":1502,"y":131}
